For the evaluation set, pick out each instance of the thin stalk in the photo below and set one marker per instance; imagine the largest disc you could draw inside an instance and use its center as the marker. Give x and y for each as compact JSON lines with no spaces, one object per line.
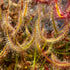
{"x":34,"y":62}
{"x":15,"y":68}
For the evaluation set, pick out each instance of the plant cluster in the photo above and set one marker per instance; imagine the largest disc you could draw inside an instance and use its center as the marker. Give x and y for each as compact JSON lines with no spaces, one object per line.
{"x":34,"y":34}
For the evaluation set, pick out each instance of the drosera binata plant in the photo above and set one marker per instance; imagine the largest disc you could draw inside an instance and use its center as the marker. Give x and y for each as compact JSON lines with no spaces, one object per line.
{"x":32,"y":35}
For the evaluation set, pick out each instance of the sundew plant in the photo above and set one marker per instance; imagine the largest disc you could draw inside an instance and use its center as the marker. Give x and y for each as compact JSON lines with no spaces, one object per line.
{"x":34,"y":34}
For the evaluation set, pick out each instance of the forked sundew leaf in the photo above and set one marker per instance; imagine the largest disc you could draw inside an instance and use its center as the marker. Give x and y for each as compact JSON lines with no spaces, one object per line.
{"x":59,"y":63}
{"x":30,"y":42}
{"x":54,"y":25}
